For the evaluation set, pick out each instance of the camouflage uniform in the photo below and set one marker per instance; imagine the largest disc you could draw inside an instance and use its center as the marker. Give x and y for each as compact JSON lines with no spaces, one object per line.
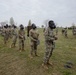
{"x":63,"y":30}
{"x":34,"y":38}
{"x":56,"y":31}
{"x":10,"y":32}
{"x":6,"y":35}
{"x":74,"y":31}
{"x":15,"y":34}
{"x":49,"y":42}
{"x":21,"y":34}
{"x":65,"y":33}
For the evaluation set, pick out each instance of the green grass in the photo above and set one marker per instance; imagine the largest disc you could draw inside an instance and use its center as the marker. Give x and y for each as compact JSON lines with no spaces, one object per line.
{"x":13,"y":62}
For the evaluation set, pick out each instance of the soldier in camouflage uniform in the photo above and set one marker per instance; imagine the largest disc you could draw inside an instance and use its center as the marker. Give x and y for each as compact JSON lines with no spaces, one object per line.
{"x":10,"y":31}
{"x":34,"y":40}
{"x":15,"y":35}
{"x":65,"y":33}
{"x":6,"y":33}
{"x":49,"y":42}
{"x":56,"y":31}
{"x":63,"y":30}
{"x":74,"y":30}
{"x":21,"y":34}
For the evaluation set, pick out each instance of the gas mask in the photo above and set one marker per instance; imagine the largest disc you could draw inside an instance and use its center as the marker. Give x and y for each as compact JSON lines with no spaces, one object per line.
{"x":34,"y":26}
{"x":21,"y":27}
{"x":51,"y":24}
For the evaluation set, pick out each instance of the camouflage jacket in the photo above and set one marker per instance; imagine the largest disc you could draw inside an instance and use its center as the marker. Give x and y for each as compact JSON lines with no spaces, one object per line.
{"x":21,"y":34}
{"x":33,"y":35}
{"x":49,"y":35}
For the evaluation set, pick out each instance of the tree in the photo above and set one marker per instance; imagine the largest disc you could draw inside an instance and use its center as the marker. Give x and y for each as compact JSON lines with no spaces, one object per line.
{"x":29,"y":27}
{"x":12,"y":21}
{"x":29,"y":23}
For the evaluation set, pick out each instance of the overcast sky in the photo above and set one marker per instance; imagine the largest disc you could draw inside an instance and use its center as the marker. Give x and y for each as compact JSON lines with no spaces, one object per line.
{"x":63,"y":12}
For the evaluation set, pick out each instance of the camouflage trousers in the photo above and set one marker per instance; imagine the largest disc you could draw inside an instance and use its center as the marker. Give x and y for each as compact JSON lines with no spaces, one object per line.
{"x":14,"y":40}
{"x":21,"y":44}
{"x":56,"y":33}
{"x":66,"y":35}
{"x":33,"y":48}
{"x":6,"y":37}
{"x":10,"y":35}
{"x":48,"y":52}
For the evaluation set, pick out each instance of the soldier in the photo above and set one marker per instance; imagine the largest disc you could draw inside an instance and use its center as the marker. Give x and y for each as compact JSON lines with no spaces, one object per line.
{"x":49,"y":42}
{"x":34,"y":40}
{"x":56,"y":31}
{"x":44,"y":30}
{"x":1,"y":31}
{"x":21,"y":34}
{"x":10,"y":31}
{"x":65,"y":33}
{"x":74,"y":31}
{"x":63,"y":30}
{"x":5,"y":32}
{"x":15,"y":35}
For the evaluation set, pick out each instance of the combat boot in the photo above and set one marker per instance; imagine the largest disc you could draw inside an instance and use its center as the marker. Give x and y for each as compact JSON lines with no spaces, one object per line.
{"x":23,"y":49}
{"x":48,"y":63}
{"x":20,"y":50}
{"x":31,"y":56}
{"x":36,"y":54}
{"x":14,"y":45}
{"x":45,"y":66}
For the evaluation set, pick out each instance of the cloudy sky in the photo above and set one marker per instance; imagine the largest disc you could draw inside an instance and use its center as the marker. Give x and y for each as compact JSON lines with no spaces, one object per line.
{"x":63,"y":12}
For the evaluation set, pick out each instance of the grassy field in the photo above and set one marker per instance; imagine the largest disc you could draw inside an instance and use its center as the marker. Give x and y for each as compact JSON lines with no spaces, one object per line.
{"x":13,"y":62}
